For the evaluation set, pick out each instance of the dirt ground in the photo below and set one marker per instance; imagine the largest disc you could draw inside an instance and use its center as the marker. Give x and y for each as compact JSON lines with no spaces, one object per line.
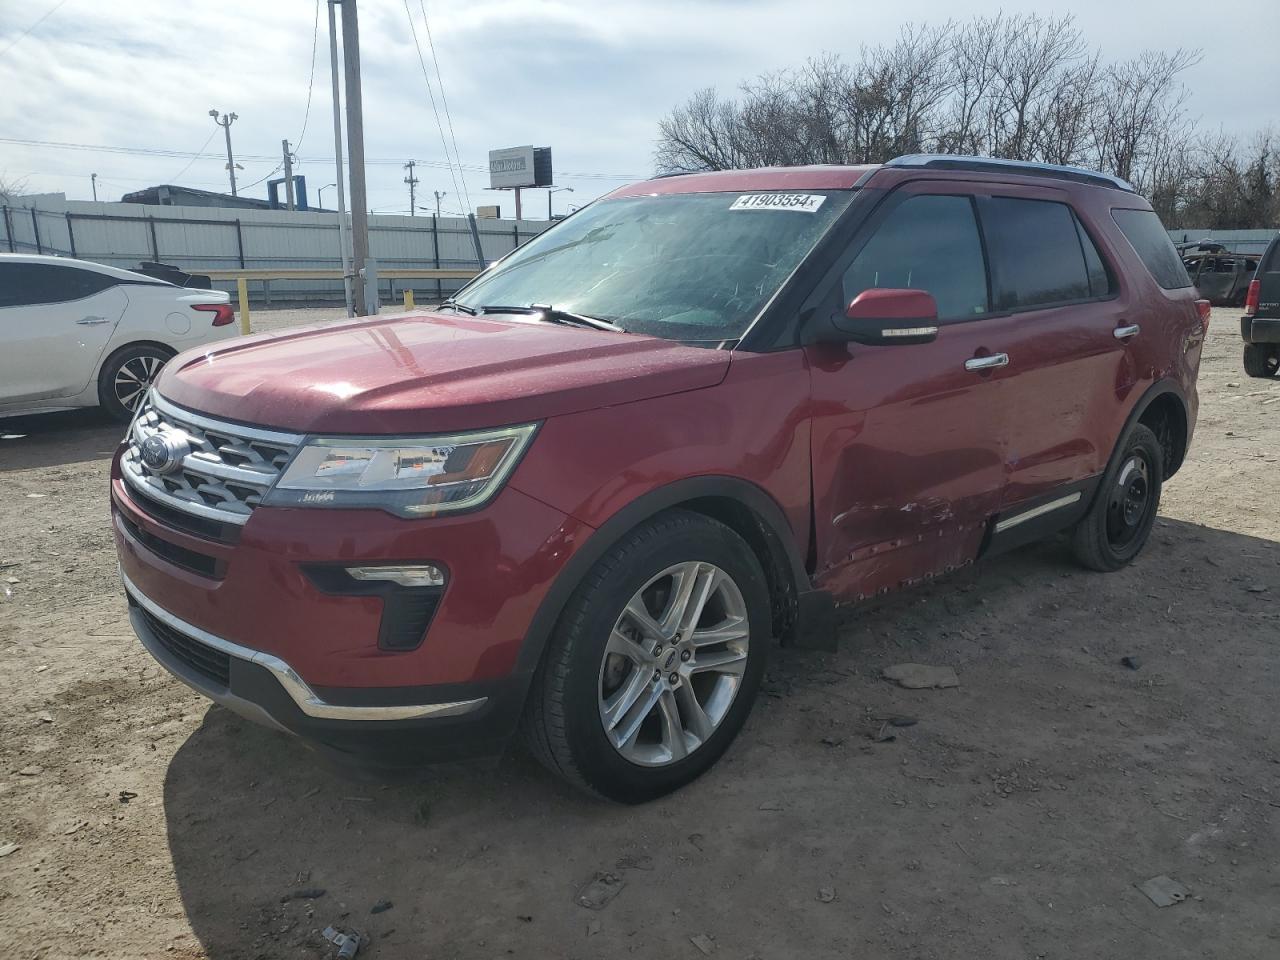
{"x":1012,"y":821}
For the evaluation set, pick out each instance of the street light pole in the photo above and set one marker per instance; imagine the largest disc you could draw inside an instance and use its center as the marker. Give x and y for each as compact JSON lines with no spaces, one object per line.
{"x":225,"y":124}
{"x":320,"y":194}
{"x":93,"y":182}
{"x":550,"y":191}
{"x":344,"y":245}
{"x":355,"y":156}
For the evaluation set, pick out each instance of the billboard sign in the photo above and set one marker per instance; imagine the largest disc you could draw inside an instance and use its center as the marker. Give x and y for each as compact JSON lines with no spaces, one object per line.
{"x":513,"y":167}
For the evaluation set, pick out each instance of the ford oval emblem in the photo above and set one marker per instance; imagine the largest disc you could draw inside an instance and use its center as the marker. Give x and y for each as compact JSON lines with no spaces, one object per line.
{"x":163,"y":452}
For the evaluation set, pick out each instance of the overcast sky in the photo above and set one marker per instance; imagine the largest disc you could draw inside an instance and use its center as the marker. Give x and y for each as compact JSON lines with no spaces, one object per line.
{"x":589,"y":79}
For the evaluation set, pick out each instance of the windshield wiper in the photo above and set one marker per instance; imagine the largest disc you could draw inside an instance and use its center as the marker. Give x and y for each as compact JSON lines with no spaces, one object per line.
{"x":552,"y":315}
{"x":460,"y":307}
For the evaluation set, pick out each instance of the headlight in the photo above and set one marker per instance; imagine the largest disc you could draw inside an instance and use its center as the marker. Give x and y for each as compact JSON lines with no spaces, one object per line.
{"x":412,"y":477}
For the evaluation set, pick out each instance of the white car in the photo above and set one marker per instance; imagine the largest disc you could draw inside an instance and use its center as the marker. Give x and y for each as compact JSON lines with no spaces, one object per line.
{"x":81,"y":334}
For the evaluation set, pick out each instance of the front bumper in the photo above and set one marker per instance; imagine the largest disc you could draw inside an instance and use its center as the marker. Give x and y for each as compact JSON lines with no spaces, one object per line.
{"x":381,"y":727}
{"x":240,"y":619}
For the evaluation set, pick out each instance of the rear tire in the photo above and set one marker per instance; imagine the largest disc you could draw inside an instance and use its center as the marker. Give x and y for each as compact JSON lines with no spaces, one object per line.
{"x":635,"y":696}
{"x":127,"y":375}
{"x":1262,"y":360}
{"x":1124,"y":508}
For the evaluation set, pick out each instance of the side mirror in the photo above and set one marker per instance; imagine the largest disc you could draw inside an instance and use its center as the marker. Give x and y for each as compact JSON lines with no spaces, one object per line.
{"x":883,"y":315}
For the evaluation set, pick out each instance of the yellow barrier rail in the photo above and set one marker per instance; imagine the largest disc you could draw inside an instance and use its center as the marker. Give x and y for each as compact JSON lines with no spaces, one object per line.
{"x":242,"y":278}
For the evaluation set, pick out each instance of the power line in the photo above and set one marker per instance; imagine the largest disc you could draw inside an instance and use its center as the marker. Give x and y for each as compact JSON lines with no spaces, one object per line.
{"x":187,"y":155}
{"x":444,"y":99}
{"x":431,"y":93}
{"x":174,"y":178}
{"x":311,"y":82}
{"x":47,"y":14}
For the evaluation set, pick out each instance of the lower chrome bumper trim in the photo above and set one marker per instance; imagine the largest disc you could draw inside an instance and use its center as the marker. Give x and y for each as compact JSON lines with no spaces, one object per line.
{"x":306,"y":698}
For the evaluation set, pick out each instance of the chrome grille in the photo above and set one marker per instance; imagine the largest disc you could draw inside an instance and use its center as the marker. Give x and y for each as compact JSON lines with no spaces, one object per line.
{"x":227,"y":472}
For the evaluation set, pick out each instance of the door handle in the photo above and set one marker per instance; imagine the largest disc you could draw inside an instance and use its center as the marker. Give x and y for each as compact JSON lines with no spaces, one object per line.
{"x":1124,"y":333}
{"x":92,"y":321}
{"x":987,"y":363}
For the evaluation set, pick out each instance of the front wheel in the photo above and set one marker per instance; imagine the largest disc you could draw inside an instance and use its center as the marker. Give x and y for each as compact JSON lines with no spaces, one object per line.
{"x":1262,"y":359}
{"x":1116,"y":527}
{"x":655,"y":662}
{"x":126,"y":377}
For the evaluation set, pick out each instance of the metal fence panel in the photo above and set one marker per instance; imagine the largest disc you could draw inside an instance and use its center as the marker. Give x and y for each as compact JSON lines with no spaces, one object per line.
{"x":211,"y":238}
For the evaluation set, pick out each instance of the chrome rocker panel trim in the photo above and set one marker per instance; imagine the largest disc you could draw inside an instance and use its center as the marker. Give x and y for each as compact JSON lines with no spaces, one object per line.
{"x":306,"y":699}
{"x":1040,"y":511}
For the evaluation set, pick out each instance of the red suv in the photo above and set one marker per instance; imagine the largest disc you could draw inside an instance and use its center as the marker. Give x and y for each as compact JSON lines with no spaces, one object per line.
{"x":584,"y":496}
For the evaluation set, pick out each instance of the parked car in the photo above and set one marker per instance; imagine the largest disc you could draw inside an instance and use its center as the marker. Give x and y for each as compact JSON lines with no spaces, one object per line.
{"x":1221,"y":277}
{"x":81,"y":334}
{"x":1260,"y":325}
{"x":584,"y":496}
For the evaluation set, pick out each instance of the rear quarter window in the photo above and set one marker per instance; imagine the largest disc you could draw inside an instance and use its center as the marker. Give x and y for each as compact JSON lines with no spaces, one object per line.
{"x":1150,"y":241}
{"x":31,"y":284}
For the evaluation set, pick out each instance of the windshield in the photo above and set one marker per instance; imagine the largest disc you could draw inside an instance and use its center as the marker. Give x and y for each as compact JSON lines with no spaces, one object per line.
{"x":695,"y":267}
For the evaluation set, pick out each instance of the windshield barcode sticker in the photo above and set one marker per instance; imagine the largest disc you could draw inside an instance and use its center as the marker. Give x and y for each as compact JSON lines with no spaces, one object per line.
{"x":804,"y":202}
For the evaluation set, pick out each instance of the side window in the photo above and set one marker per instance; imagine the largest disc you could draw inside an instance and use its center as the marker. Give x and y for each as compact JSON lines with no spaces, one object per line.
{"x":1147,"y":236}
{"x":931,"y":243}
{"x":11,"y":292}
{"x":30,"y":284}
{"x":1038,"y":253}
{"x":1099,"y":279}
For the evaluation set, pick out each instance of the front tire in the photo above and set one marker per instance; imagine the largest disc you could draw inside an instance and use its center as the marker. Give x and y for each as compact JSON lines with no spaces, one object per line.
{"x":655,"y":662}
{"x":1262,"y":360}
{"x":126,"y":376}
{"x":1124,"y":509}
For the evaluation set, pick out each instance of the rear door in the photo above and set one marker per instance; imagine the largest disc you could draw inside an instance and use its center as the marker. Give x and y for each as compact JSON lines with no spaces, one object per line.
{"x":55,"y":321}
{"x":1067,"y":343}
{"x":907,"y":439}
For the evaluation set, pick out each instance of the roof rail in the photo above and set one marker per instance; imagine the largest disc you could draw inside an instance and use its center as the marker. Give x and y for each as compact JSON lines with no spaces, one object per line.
{"x":942,"y":161}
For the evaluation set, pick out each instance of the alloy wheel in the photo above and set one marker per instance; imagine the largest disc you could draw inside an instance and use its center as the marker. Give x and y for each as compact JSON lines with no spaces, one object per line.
{"x":133,"y":378}
{"x":673,"y":664}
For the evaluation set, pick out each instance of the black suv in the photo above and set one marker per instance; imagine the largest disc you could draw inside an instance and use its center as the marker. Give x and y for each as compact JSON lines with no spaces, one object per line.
{"x":1260,"y":325}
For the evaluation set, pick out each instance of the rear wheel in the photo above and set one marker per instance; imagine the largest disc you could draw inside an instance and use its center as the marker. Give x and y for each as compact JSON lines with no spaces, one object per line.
{"x":1116,"y":527}
{"x":1261,"y":359}
{"x":656,"y":661}
{"x":127,"y":375}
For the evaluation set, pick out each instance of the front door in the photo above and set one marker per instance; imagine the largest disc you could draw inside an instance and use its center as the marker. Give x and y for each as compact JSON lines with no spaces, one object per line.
{"x":55,"y":321}
{"x":907,"y":441}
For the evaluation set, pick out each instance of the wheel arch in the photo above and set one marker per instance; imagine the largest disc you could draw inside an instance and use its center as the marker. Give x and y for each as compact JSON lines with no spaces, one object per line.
{"x":740,"y":505}
{"x":1163,"y":408}
{"x":108,"y":357}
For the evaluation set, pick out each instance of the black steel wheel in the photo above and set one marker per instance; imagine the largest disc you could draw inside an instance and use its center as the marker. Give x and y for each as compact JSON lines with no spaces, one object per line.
{"x":1124,"y":508}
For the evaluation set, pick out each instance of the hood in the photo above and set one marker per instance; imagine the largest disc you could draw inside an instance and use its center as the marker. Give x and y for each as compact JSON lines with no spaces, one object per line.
{"x":426,"y":373}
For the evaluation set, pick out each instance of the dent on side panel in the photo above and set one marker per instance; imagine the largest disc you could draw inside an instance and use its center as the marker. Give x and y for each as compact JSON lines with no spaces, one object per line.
{"x":753,"y":426}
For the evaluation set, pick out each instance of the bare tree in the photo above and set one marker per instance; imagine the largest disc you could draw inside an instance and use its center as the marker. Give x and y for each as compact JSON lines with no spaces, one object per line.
{"x":1022,"y":86}
{"x":10,"y":188}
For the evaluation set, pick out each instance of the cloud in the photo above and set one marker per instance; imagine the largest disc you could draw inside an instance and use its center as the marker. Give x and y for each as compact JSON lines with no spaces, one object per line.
{"x":591,"y":79}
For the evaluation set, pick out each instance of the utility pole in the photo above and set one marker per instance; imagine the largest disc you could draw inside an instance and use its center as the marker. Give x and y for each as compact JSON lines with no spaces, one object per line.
{"x":343,"y":239}
{"x":355,"y":154}
{"x":412,"y":181}
{"x":93,"y":181}
{"x":288,"y":176}
{"x":225,"y":124}
{"x":439,"y":194}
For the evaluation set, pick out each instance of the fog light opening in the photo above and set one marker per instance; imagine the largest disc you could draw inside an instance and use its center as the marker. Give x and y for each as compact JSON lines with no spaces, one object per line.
{"x":405,"y":575}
